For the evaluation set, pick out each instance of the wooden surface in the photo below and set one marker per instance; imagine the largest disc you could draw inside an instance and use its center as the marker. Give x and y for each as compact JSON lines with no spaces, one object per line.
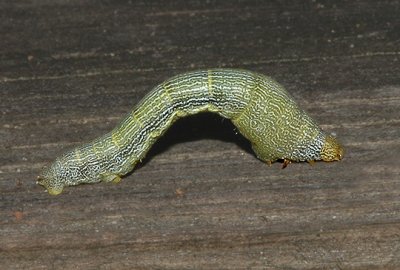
{"x":69,"y":70}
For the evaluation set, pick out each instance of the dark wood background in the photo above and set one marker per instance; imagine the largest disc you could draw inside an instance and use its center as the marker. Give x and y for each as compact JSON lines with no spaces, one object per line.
{"x":69,"y":70}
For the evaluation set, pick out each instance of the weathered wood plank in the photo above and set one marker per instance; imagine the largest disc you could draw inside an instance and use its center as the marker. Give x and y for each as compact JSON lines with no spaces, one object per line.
{"x":69,"y":70}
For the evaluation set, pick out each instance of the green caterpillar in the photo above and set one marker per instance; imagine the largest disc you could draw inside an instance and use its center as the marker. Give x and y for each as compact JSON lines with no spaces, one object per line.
{"x":259,"y":107}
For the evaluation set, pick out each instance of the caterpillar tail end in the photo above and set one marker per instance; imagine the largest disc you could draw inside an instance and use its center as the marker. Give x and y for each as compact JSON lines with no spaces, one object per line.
{"x":332,"y":150}
{"x":56,"y":190}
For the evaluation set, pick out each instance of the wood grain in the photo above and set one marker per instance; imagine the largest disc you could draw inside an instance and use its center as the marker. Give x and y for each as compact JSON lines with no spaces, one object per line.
{"x":69,"y":70}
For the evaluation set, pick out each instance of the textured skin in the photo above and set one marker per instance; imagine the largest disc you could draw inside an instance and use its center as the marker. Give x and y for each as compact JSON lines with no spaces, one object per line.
{"x":260,"y":108}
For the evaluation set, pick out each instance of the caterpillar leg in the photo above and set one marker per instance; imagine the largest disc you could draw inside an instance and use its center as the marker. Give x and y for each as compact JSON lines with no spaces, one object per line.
{"x":311,"y":162}
{"x":264,"y":154}
{"x":113,"y":178}
{"x":54,"y":190}
{"x":286,"y":162}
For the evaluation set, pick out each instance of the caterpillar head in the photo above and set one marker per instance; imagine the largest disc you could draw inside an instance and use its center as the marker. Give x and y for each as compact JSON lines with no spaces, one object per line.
{"x":332,"y":150}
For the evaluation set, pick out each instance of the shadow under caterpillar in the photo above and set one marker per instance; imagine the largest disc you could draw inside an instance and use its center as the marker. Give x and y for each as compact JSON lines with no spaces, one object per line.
{"x":259,"y":107}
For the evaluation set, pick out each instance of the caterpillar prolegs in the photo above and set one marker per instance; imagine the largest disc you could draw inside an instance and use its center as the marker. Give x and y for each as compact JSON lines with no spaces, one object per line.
{"x":259,"y":107}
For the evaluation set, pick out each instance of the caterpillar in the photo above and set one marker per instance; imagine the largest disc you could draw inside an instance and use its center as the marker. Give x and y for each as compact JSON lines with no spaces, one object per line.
{"x":260,"y":108}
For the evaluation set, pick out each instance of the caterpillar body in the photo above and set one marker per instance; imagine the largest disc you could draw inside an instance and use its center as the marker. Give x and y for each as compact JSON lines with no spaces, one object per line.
{"x":260,"y":108}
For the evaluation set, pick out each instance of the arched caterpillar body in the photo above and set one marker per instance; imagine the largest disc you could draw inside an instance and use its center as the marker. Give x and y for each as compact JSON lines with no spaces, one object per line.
{"x":259,"y":107}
